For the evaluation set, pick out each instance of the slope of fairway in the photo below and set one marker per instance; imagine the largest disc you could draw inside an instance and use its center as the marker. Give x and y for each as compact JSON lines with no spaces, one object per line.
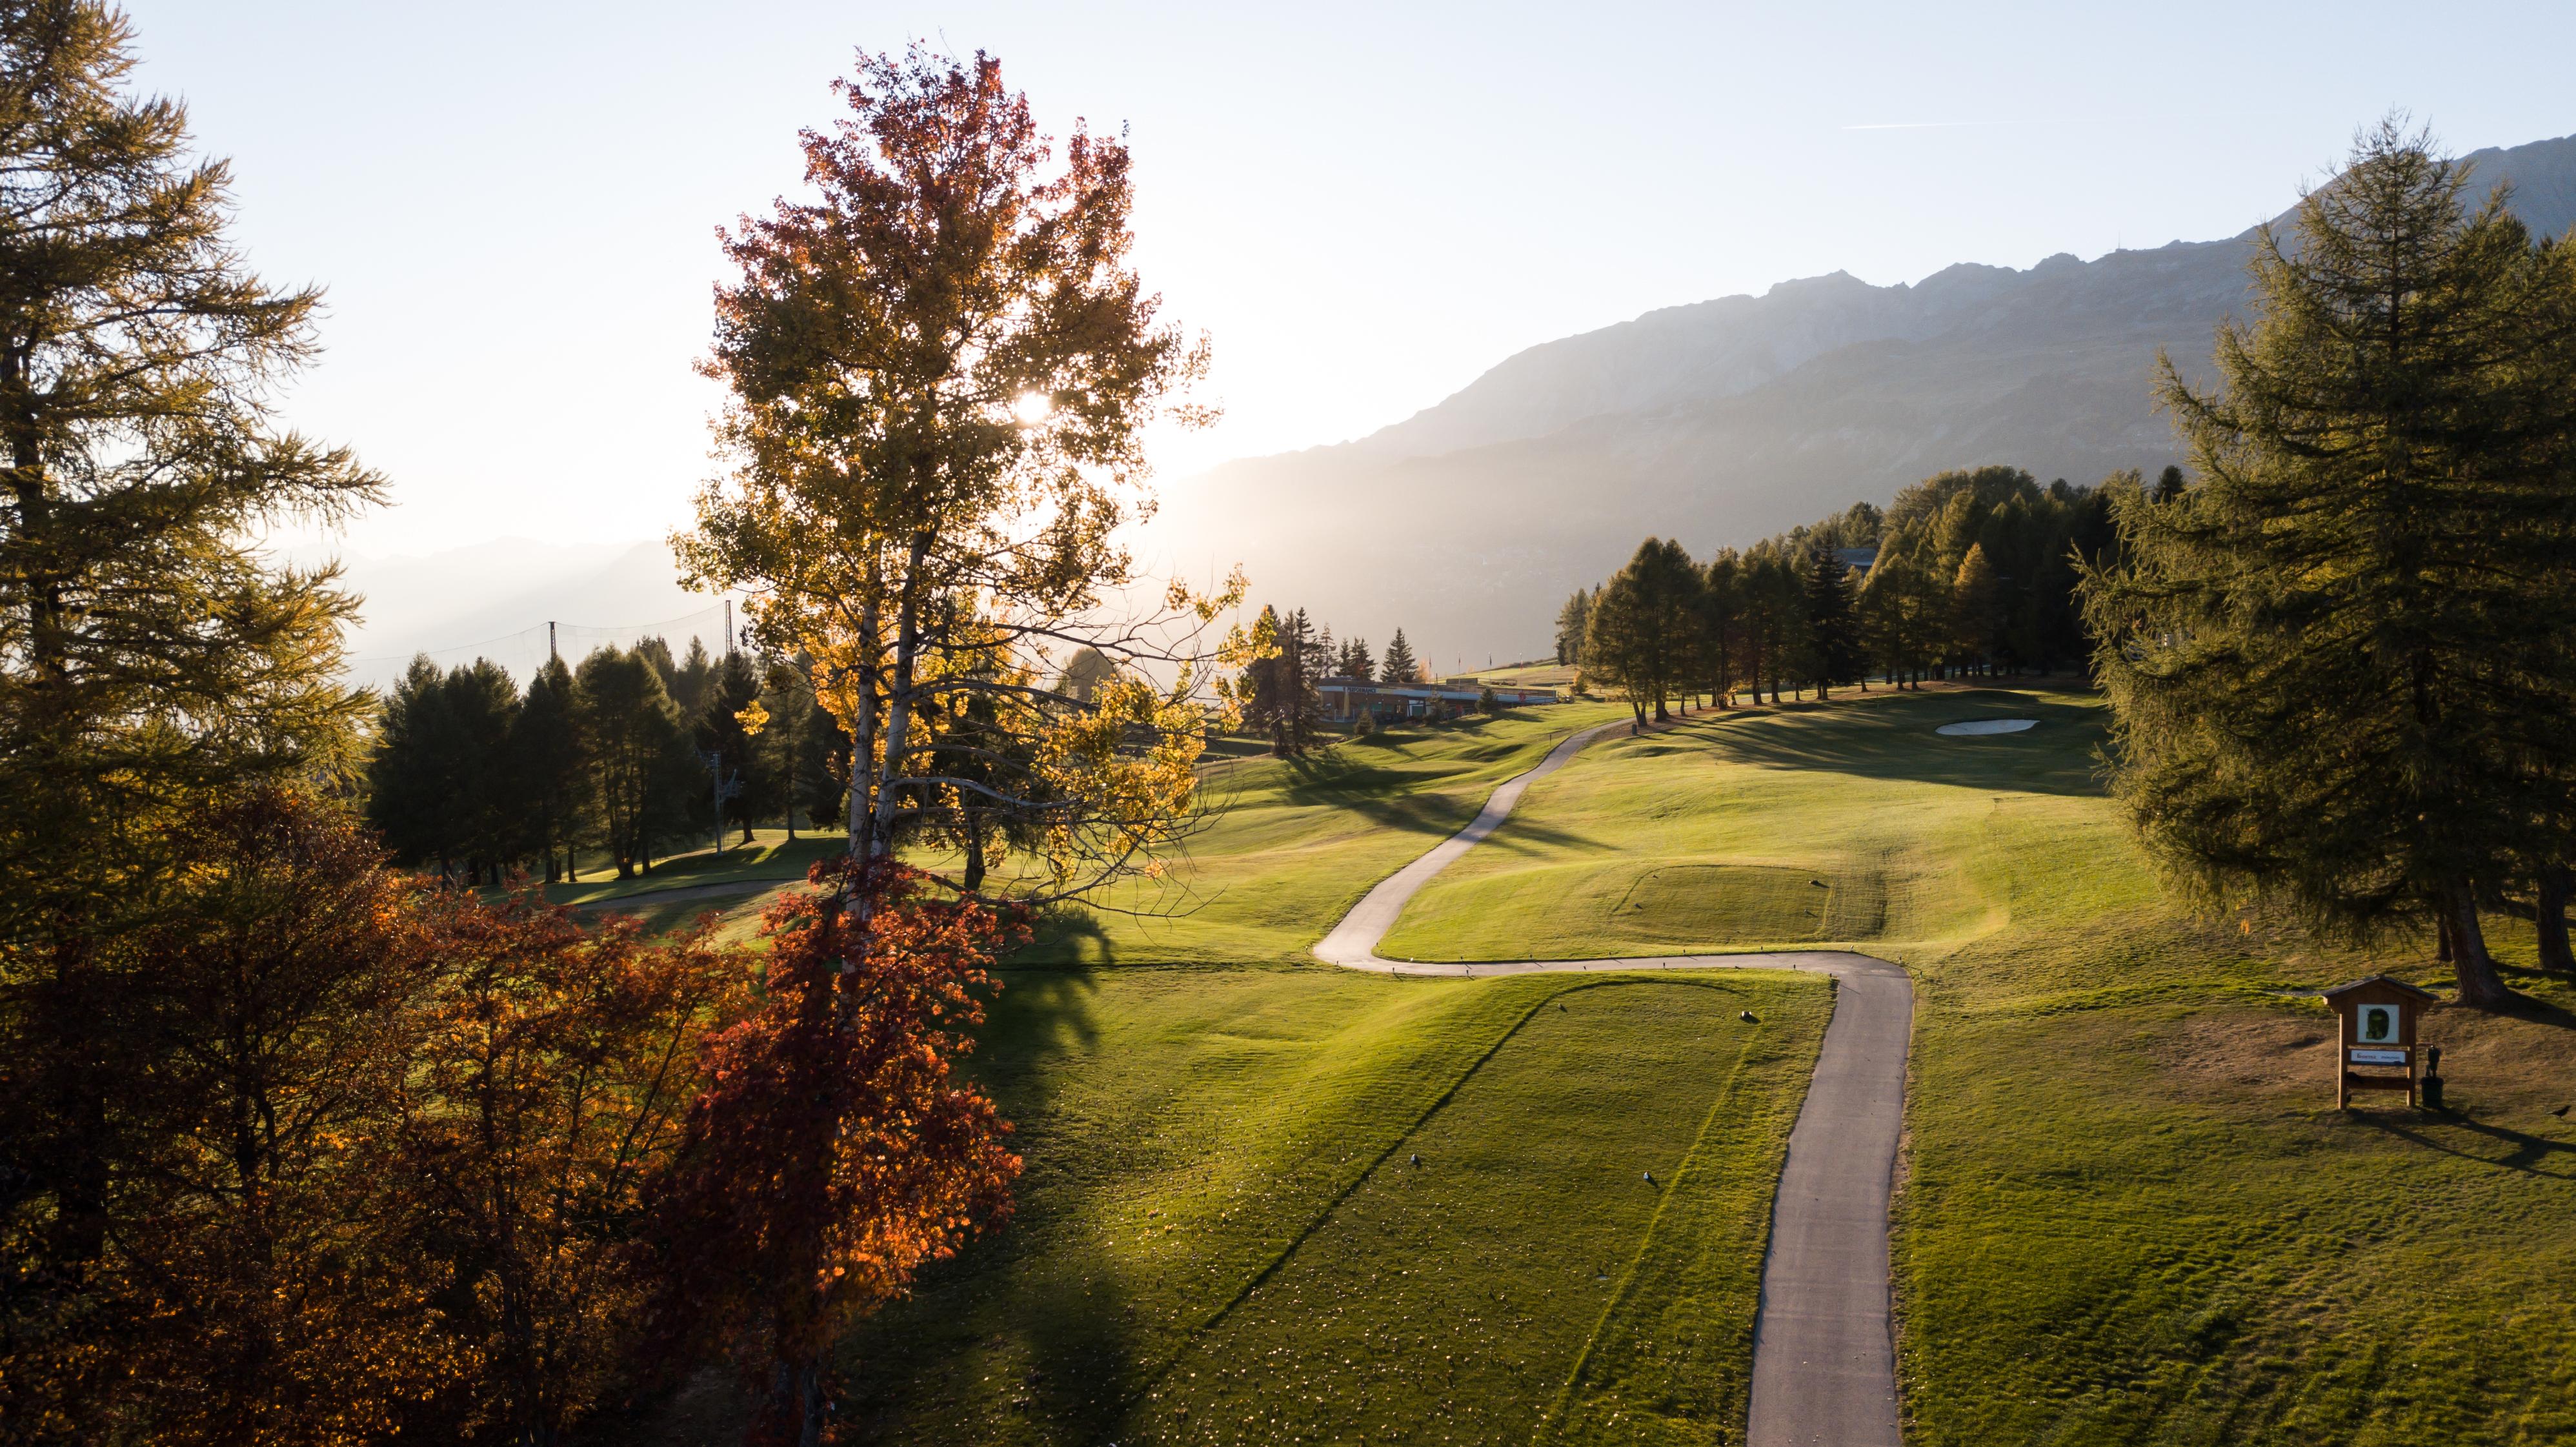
{"x":1294,"y":843}
{"x":2132,"y":1215}
{"x":1223,"y":1237}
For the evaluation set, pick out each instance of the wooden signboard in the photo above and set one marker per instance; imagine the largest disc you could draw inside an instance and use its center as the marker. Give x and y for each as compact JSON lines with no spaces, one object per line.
{"x":2377,"y":1018}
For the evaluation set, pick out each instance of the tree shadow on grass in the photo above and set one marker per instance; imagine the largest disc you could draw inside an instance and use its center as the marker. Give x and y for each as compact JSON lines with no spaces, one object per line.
{"x":1895,"y":739}
{"x":2458,"y":1133}
{"x":1047,"y":1328}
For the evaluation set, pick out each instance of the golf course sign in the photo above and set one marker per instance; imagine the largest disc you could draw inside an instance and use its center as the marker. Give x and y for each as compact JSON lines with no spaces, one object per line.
{"x":2377,"y":1017}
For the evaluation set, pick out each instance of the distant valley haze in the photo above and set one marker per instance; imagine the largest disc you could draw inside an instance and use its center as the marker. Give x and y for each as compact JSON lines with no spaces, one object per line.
{"x":1718,"y":422}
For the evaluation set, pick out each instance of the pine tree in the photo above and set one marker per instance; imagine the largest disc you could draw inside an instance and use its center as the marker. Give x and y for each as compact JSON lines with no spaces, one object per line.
{"x":482,"y":707}
{"x":1357,"y":663}
{"x":1400,"y":665}
{"x":644,"y":776}
{"x":2168,"y":484}
{"x":1571,"y":621}
{"x":1833,"y":632}
{"x":2338,"y":661}
{"x":1721,"y":623}
{"x":1284,"y":703}
{"x":414,"y":791}
{"x":725,"y":741}
{"x":547,"y":764}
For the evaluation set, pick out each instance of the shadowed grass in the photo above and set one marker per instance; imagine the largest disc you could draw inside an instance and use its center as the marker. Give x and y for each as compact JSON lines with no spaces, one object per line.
{"x":1222,"y":1237}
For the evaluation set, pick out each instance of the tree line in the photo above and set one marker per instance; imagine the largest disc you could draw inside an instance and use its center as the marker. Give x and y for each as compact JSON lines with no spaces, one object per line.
{"x":631,"y":754}
{"x":304,"y":1147}
{"x":1283,"y":697}
{"x":1968,"y":573}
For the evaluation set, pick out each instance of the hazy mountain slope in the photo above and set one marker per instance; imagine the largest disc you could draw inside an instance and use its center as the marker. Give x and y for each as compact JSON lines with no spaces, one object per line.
{"x":495,"y":599}
{"x":1728,"y":420}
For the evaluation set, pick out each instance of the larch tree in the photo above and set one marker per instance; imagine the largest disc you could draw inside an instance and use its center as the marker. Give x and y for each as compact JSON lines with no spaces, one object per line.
{"x":1644,"y":629}
{"x":150,"y":655}
{"x":1721,"y":623}
{"x":2338,"y":661}
{"x":1977,"y":609}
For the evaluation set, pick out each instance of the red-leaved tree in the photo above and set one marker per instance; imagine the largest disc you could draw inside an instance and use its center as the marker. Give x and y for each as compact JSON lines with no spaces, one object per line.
{"x":831,"y":1153}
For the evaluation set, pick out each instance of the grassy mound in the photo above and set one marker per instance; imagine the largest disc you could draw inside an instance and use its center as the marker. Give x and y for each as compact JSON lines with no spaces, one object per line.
{"x":2132,"y":1214}
{"x":1223,"y":1236}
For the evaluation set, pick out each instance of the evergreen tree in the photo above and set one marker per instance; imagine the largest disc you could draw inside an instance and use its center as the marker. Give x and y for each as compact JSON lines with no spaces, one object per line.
{"x":2339,"y":661}
{"x":1400,"y":665}
{"x":1359,"y":662}
{"x":644,"y":775}
{"x":547,"y":764}
{"x":787,"y":698}
{"x":692,"y":680}
{"x":152,"y":659}
{"x":1721,"y":623}
{"x":1775,"y":616}
{"x":1285,"y":704}
{"x":415,"y":777}
{"x":1977,"y":608}
{"x":1833,"y":632}
{"x":1644,"y":630}
{"x":725,"y":741}
{"x":2168,"y":484}
{"x":1571,"y":622}
{"x":482,"y":707}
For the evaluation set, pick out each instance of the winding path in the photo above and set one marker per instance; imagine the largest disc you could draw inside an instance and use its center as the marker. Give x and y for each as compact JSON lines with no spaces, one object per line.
{"x":1824,"y":1348}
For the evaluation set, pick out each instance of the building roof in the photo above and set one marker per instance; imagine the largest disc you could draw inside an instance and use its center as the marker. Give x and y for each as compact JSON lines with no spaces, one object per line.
{"x":2416,"y":991}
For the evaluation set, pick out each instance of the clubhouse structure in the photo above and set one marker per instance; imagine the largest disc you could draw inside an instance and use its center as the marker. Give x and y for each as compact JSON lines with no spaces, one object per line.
{"x":1348,"y":698}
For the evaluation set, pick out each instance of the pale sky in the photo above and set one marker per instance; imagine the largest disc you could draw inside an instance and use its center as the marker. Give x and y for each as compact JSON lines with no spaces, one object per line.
{"x":512,"y":205}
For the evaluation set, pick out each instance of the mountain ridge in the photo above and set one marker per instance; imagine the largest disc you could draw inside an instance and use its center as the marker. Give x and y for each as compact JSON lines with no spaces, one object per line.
{"x":1726,"y":420}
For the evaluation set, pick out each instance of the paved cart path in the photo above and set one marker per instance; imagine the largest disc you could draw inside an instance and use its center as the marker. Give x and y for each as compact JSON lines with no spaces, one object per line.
{"x":1824,"y":1351}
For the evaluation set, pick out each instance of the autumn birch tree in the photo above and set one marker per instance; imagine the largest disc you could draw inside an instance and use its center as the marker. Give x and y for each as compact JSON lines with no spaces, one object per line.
{"x":940,"y":365}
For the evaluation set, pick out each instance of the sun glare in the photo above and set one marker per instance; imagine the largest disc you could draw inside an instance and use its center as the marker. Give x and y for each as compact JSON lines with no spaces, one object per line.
{"x":1032,"y":408}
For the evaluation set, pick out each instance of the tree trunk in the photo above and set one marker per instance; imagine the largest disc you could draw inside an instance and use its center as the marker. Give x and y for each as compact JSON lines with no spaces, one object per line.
{"x":2554,"y":951}
{"x":2471,"y":966}
{"x":974,"y":851}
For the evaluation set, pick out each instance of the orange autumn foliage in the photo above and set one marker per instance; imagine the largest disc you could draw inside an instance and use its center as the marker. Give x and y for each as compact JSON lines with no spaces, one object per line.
{"x":831,"y":1153}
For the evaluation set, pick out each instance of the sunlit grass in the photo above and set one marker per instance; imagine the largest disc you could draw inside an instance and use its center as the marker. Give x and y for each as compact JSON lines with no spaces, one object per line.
{"x":2132,"y":1214}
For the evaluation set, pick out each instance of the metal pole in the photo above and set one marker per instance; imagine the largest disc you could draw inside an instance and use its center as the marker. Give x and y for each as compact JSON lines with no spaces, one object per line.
{"x":551,"y":655}
{"x":728,"y":628}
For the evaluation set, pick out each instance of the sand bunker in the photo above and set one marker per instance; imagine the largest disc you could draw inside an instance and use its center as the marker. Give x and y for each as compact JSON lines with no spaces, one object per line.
{"x":1989,"y":726}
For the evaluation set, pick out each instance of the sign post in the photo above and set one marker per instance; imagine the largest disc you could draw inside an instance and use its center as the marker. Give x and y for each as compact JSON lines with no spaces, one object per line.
{"x":2378,"y":1018}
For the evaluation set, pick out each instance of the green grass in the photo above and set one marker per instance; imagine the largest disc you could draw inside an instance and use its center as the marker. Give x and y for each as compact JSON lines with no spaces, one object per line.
{"x":2131,"y":1214}
{"x":1222,"y":1237}
{"x":1295,"y":843}
{"x":770,"y":858}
